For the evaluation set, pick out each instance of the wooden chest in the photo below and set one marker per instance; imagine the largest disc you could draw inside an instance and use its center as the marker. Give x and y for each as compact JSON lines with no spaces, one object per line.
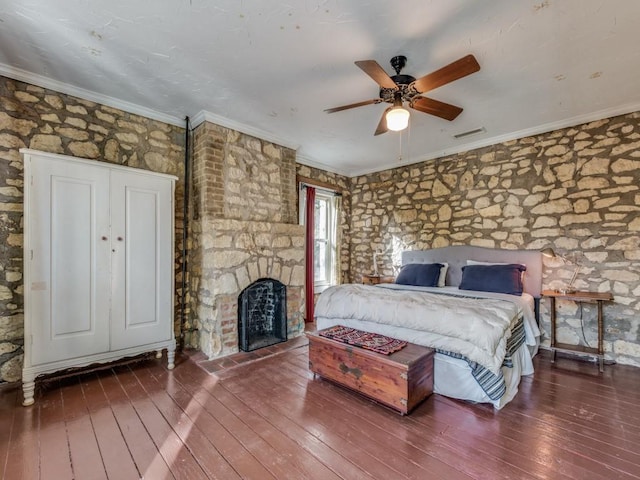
{"x":401,"y":380}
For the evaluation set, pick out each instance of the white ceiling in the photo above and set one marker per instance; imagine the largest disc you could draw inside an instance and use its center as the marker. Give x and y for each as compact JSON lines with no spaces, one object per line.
{"x":270,"y":68}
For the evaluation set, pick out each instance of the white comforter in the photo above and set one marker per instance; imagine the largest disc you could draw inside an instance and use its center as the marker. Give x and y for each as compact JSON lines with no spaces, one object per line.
{"x":476,"y":329}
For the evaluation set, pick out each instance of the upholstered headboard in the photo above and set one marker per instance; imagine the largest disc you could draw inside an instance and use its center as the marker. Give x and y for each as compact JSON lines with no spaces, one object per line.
{"x":457,"y":256}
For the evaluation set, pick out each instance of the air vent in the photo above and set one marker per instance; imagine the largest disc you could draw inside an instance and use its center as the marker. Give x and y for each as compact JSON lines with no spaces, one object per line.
{"x":475,"y":131}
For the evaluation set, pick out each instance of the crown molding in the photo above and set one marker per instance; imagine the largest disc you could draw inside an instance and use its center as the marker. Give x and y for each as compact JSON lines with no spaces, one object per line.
{"x":309,"y":162}
{"x":527,"y":132}
{"x":61,"y":87}
{"x":205,"y":116}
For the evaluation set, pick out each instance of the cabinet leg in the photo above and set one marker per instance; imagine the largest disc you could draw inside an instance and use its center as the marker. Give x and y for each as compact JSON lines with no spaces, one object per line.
{"x":158,"y":354}
{"x":28,"y":389}
{"x":171,"y":356}
{"x":601,"y":364}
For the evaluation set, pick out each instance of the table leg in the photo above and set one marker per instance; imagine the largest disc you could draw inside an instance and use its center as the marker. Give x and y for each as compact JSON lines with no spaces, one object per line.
{"x":553,"y":329}
{"x":600,"y":336}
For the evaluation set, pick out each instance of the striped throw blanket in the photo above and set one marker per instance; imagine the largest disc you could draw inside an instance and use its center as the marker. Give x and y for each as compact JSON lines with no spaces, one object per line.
{"x":493,"y":384}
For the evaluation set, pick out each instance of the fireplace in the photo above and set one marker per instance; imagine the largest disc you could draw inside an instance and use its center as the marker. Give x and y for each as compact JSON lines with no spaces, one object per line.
{"x":244,"y":227}
{"x":262,"y":314}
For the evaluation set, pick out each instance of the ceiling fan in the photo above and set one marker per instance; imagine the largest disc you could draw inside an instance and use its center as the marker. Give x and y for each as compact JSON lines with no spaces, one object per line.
{"x":399,"y":89}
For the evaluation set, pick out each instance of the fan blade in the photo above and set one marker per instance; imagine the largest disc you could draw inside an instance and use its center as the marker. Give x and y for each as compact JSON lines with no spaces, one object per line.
{"x":434,"y":107}
{"x":458,"y":69}
{"x":375,"y":71}
{"x":382,"y":124}
{"x":353,"y":105}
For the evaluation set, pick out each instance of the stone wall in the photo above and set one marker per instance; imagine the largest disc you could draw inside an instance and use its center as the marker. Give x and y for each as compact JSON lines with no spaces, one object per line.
{"x":45,"y":120}
{"x":244,"y":227}
{"x":341,"y":184}
{"x":576,"y":190}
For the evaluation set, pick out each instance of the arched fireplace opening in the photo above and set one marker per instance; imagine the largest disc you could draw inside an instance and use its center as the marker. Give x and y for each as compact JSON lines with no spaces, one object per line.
{"x":262,"y":314}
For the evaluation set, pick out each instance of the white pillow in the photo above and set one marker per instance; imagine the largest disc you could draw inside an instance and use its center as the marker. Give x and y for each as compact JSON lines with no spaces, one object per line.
{"x":443,"y":274}
{"x":476,"y":262}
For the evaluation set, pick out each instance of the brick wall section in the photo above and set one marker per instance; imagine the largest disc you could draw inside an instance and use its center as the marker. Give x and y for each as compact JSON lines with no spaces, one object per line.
{"x":289,"y":187}
{"x":242,"y":177}
{"x":229,"y":322}
{"x":576,"y":189}
{"x":46,"y":120}
{"x":208,"y":187}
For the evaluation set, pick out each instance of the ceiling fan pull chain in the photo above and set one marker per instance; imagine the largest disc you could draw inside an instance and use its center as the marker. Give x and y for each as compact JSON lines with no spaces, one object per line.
{"x":409,"y":141}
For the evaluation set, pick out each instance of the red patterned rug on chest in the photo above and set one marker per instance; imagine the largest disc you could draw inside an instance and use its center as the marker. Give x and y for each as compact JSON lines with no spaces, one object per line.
{"x":358,"y":338}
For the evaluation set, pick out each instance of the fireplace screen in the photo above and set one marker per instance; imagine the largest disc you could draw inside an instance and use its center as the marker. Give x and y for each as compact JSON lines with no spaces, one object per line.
{"x":262,"y":314}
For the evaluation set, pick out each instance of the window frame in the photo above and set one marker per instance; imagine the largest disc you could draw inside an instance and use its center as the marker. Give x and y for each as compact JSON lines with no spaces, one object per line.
{"x":331,"y":226}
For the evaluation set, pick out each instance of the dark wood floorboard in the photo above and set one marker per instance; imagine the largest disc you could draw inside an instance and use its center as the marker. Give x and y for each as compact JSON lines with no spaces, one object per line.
{"x":279,"y":397}
{"x":7,"y":417}
{"x":439,"y":450}
{"x":462,"y":421}
{"x":409,"y":437}
{"x":187,"y":425}
{"x":55,"y":459}
{"x":272,"y":419}
{"x":143,"y":450}
{"x":303,"y":464}
{"x":83,"y":445}
{"x":174,"y":452}
{"x":338,"y":418}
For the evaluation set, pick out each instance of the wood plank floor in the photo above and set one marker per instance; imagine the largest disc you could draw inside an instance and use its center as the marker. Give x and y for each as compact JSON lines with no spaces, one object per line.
{"x":270,"y":419}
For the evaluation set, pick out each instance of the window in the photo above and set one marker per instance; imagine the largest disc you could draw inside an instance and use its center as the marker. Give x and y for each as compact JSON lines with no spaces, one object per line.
{"x":324,"y":241}
{"x":325,"y":252}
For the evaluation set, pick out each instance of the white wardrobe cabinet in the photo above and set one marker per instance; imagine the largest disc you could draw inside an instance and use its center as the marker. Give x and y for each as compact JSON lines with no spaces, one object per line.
{"x":98,"y":264}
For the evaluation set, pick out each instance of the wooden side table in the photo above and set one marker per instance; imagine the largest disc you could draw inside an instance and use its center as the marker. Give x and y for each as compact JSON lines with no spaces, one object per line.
{"x":587,"y":297}
{"x":376,"y":279}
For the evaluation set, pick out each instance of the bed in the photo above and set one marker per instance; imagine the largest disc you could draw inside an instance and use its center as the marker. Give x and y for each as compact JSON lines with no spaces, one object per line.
{"x":484,"y":341}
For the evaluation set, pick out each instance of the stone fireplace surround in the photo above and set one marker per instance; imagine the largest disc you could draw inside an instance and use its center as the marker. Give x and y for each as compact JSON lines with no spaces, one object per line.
{"x":233,"y":254}
{"x":243,"y":227}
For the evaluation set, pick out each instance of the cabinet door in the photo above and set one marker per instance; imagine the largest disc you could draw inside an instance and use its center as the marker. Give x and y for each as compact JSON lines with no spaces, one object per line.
{"x":142,"y":259}
{"x":68,"y":262}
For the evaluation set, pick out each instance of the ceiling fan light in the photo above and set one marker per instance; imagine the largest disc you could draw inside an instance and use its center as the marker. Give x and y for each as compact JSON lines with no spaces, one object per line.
{"x":397,"y":119}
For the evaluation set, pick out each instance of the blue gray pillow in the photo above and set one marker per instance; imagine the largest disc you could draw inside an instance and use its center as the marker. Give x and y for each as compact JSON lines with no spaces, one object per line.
{"x":420,"y":274}
{"x":493,"y":278}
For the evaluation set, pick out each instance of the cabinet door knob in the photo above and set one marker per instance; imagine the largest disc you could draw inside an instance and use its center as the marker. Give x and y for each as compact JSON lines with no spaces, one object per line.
{"x":104,"y":238}
{"x":119,"y":239}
